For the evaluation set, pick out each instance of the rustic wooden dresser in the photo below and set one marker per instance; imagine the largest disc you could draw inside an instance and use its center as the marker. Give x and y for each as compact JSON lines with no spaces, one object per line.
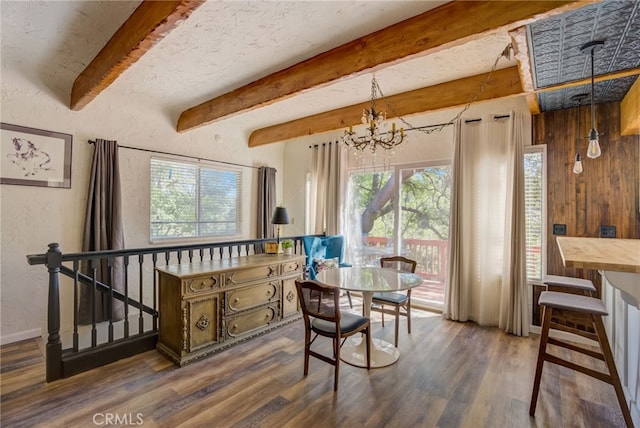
{"x":207,"y":306}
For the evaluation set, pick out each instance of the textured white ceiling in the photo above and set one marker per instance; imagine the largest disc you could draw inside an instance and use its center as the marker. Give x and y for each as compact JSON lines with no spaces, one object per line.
{"x":51,"y":42}
{"x":222,"y":46}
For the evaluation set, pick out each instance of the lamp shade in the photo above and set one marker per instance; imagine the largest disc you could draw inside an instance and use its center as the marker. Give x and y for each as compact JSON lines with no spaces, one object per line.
{"x":280,"y":216}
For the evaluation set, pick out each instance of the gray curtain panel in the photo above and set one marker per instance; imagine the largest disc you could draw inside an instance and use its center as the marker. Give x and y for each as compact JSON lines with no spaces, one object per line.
{"x":103,"y":230}
{"x":266,"y":201}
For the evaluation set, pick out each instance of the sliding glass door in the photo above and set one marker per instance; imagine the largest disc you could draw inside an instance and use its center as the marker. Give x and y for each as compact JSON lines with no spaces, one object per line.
{"x":404,"y":211}
{"x":370,"y":217}
{"x":424,"y":226}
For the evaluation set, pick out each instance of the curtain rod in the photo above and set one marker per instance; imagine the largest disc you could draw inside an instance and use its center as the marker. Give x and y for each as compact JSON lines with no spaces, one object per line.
{"x":496,"y":117}
{"x":323,"y":144}
{"x":184,"y":156}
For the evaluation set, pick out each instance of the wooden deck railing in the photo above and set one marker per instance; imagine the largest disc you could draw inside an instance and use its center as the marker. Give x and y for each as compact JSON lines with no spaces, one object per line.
{"x":430,"y":254}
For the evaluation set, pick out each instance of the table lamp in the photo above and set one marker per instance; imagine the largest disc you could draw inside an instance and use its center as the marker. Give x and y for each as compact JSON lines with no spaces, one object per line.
{"x":280,"y":216}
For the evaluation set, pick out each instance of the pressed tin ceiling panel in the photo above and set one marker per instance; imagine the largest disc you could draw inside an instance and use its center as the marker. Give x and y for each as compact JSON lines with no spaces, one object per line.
{"x":556,"y":56}
{"x":611,"y":90}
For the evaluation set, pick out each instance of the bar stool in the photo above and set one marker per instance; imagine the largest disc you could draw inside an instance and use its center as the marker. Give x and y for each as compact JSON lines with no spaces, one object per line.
{"x":587,"y":310}
{"x":569,"y":284}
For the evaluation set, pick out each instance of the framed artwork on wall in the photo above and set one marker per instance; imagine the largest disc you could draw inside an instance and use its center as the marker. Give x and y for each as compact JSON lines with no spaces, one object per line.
{"x":34,"y":157}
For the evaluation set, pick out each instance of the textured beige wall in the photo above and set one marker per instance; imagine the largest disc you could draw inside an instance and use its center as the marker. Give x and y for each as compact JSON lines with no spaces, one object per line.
{"x":32,"y":217}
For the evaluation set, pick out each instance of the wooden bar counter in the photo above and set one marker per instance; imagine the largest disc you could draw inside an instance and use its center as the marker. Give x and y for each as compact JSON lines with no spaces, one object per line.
{"x":621,"y":255}
{"x":618,"y":260}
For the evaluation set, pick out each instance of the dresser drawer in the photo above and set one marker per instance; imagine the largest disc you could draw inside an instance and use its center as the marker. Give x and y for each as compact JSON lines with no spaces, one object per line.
{"x":291,"y":267}
{"x":201,"y":284}
{"x":252,"y":274}
{"x":248,"y":297}
{"x":252,"y":320}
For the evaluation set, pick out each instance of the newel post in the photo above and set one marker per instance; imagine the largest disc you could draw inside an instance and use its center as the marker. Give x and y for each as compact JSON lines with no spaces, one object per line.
{"x":54,"y":345}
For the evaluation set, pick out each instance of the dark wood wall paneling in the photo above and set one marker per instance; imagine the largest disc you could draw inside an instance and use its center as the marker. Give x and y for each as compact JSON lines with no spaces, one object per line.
{"x":606,"y":193}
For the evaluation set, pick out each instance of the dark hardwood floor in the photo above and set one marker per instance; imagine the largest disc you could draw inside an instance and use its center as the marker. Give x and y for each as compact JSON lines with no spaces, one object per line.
{"x":449,"y":375}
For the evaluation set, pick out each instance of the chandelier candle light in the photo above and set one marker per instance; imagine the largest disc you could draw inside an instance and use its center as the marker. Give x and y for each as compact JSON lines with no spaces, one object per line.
{"x":373,"y":137}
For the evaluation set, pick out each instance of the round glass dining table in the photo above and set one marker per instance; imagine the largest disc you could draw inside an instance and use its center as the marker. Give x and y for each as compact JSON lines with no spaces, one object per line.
{"x":369,"y":280}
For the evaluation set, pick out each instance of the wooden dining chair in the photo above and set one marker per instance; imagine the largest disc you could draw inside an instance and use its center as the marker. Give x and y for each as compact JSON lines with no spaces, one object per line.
{"x":322,"y":316}
{"x":400,"y":303}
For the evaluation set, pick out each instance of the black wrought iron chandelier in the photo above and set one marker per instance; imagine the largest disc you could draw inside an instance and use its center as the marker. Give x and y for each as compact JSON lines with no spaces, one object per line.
{"x":376,"y":134}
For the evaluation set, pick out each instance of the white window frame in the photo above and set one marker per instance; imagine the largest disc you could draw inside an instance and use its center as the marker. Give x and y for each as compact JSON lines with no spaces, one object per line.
{"x":197,"y":222}
{"x":541,"y":148}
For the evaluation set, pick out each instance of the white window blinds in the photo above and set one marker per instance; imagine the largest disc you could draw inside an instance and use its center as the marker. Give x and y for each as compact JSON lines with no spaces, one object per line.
{"x":534,"y":212}
{"x":193,"y":200}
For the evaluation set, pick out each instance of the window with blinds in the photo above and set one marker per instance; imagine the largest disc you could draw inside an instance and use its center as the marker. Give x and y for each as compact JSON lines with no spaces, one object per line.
{"x":192,"y":200}
{"x":534,"y":203}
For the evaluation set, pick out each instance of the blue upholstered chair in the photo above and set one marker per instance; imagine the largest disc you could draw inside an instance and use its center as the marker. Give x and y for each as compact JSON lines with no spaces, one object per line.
{"x":324,"y":247}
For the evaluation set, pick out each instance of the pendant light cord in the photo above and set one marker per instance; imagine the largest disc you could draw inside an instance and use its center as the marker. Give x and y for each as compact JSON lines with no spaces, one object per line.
{"x":578,"y":133}
{"x":593,"y":114}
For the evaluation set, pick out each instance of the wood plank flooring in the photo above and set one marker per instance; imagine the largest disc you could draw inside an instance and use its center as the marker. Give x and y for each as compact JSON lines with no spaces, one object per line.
{"x":449,"y":375}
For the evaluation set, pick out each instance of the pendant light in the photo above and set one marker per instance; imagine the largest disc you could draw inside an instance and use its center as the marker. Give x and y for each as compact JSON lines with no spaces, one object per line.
{"x":594,"y":145}
{"x":577,"y":165}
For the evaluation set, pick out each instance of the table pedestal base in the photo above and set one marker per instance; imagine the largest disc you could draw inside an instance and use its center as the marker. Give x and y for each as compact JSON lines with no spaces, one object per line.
{"x":383,"y":353}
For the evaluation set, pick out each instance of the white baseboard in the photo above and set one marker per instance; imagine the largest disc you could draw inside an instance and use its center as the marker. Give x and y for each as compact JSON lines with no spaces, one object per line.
{"x":23,"y":335}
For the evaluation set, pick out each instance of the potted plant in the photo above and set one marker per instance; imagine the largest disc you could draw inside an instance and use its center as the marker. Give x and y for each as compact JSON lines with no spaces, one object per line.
{"x":287,"y":246}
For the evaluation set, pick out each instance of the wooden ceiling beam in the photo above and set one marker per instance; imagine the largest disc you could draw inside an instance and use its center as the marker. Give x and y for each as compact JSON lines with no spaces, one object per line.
{"x":449,"y":25}
{"x":503,"y":83}
{"x":587,"y":80}
{"x":146,"y":26}
{"x":521,"y":52}
{"x":630,"y":111}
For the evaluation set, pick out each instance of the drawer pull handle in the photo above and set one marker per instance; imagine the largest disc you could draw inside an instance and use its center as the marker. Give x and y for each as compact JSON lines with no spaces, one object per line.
{"x":236,"y":300}
{"x":203,"y":322}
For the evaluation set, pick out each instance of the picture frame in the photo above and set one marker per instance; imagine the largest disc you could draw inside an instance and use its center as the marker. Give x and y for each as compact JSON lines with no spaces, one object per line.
{"x":34,"y":157}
